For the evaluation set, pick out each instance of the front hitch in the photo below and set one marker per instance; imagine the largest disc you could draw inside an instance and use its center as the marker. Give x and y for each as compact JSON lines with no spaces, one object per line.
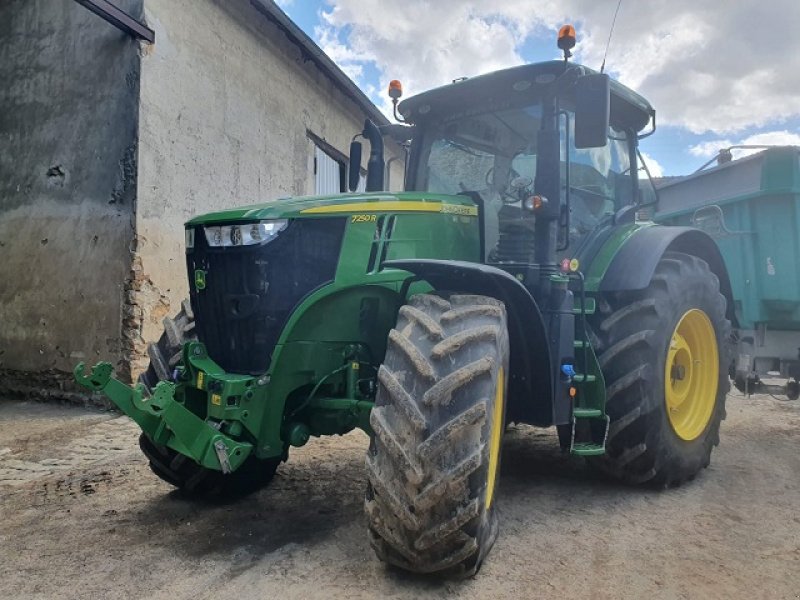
{"x":167,"y":421}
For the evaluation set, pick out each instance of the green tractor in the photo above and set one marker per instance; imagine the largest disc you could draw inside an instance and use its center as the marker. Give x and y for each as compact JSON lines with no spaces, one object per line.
{"x":512,"y":282}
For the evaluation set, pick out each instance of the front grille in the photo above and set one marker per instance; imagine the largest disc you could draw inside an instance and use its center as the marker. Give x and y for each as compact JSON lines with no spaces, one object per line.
{"x":250,"y":291}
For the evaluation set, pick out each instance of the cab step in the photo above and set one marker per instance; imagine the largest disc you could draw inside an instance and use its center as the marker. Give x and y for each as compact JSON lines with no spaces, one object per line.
{"x":588,"y":449}
{"x":589,"y":307}
{"x":587,"y":413}
{"x":582,"y":378}
{"x":588,"y":439}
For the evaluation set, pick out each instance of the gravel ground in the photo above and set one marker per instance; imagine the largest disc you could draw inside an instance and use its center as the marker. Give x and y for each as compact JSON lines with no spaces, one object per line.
{"x":83,"y":517}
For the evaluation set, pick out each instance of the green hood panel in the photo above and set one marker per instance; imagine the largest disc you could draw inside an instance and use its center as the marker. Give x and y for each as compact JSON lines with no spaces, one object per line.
{"x":321,"y":206}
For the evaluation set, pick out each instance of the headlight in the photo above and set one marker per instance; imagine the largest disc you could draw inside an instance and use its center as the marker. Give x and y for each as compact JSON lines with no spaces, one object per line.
{"x":244,"y":235}
{"x":190,"y":238}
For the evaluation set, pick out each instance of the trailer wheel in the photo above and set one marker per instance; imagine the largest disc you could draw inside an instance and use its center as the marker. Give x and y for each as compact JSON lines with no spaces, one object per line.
{"x":664,"y":358}
{"x":438,"y":423}
{"x":173,"y":467}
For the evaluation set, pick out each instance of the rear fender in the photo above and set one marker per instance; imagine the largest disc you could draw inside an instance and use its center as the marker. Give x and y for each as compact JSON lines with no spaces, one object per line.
{"x":530,"y":382}
{"x":635,"y":262}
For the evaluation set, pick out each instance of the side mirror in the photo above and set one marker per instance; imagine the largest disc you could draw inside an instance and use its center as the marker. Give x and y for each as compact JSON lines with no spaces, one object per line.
{"x":592,"y":110}
{"x":354,"y":168}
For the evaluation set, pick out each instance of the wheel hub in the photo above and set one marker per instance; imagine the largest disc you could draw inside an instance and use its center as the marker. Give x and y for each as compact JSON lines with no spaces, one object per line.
{"x":691,"y":375}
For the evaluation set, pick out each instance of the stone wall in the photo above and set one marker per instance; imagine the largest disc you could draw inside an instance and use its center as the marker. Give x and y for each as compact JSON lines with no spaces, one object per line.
{"x":68,"y":150}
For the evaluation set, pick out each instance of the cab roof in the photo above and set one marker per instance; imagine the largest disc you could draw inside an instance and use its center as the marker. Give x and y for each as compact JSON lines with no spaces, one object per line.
{"x":499,"y":88}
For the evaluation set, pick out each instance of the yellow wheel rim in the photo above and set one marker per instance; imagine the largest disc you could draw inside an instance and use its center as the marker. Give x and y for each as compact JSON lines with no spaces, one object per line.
{"x":494,"y":438}
{"x":691,"y":375}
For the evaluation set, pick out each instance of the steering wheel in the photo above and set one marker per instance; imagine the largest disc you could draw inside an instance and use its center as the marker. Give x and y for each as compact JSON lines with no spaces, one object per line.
{"x":517,"y":184}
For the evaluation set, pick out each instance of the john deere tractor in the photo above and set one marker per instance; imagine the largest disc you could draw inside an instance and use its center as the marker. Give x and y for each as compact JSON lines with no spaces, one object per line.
{"x":512,"y":281}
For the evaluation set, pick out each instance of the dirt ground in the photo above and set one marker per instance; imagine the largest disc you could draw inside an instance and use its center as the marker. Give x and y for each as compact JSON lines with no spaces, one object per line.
{"x":81,"y":516}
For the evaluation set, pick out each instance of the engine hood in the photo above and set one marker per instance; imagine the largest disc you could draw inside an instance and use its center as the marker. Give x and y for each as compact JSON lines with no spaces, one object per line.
{"x":341,"y":204}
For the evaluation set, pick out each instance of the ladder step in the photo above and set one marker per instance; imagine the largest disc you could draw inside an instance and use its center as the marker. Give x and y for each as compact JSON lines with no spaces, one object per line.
{"x":590,"y":306}
{"x":580,"y":378}
{"x":588,"y":449}
{"x":587,"y":413}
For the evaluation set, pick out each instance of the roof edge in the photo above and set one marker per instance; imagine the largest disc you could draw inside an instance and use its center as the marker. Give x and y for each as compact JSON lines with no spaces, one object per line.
{"x":313,"y":52}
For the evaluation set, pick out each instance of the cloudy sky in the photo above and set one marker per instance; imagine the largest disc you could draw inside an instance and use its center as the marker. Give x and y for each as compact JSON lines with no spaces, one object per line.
{"x":719,"y":72}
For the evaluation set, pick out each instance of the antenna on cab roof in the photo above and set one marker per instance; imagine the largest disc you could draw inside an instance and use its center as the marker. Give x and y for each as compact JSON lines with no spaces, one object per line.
{"x":608,"y":43}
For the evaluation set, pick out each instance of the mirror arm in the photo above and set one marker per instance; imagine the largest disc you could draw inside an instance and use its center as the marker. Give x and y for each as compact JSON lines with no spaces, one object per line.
{"x":397,"y":117}
{"x":641,"y":136}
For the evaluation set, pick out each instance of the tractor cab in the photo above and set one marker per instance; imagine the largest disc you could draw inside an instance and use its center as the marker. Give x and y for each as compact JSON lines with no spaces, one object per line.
{"x":548,"y":150}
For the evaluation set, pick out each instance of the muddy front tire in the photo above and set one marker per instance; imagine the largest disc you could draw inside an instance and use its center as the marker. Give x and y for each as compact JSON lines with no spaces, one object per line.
{"x":194,"y":480}
{"x":664,"y":355}
{"x":438,"y":422}
{"x":173,"y":467}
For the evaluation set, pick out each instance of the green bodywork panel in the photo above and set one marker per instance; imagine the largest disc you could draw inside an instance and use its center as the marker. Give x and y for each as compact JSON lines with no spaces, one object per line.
{"x":600,"y":262}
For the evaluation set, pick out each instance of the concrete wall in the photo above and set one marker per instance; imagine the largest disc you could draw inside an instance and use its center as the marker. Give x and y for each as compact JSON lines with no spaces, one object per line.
{"x":68,"y":130}
{"x":227,"y":102}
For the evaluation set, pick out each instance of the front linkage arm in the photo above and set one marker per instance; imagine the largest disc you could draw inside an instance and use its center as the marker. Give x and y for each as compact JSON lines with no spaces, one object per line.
{"x":166,"y":421}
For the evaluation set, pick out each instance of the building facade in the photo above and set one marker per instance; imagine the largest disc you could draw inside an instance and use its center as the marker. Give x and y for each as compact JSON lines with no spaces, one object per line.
{"x":109,"y":144}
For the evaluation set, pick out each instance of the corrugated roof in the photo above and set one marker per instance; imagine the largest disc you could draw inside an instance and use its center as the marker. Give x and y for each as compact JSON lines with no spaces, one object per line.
{"x":314,"y":53}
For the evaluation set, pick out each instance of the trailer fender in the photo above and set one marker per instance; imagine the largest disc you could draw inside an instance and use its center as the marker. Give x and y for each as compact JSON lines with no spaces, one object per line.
{"x":633,"y":265}
{"x":530,"y":382}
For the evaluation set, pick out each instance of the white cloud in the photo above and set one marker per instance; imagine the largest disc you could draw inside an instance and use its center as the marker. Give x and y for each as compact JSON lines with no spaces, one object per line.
{"x":768,"y":138}
{"x":776,"y":138}
{"x":710,"y":148}
{"x":705,"y":66}
{"x":653,"y":166}
{"x":423,"y":44}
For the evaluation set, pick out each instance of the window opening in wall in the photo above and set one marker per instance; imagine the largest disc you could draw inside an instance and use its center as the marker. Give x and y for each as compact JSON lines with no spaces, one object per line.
{"x":329,"y":173}
{"x":330,"y":168}
{"x":362,"y":182}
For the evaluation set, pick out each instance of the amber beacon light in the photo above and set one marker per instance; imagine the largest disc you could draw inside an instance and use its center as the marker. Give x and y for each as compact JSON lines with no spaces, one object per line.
{"x":566,"y":37}
{"x":395,"y":89}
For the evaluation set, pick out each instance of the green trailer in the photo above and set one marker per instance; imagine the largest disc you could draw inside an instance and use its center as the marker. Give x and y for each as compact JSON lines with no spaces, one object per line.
{"x":511,"y":282}
{"x":751,"y":207}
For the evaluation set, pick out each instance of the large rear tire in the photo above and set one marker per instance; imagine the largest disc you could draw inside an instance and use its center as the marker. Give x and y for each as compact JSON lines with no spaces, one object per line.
{"x":176,"y":469}
{"x":438,"y":423}
{"x":664,"y":355}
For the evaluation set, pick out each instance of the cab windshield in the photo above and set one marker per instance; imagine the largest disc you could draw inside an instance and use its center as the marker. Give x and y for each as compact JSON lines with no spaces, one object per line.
{"x":494,"y":154}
